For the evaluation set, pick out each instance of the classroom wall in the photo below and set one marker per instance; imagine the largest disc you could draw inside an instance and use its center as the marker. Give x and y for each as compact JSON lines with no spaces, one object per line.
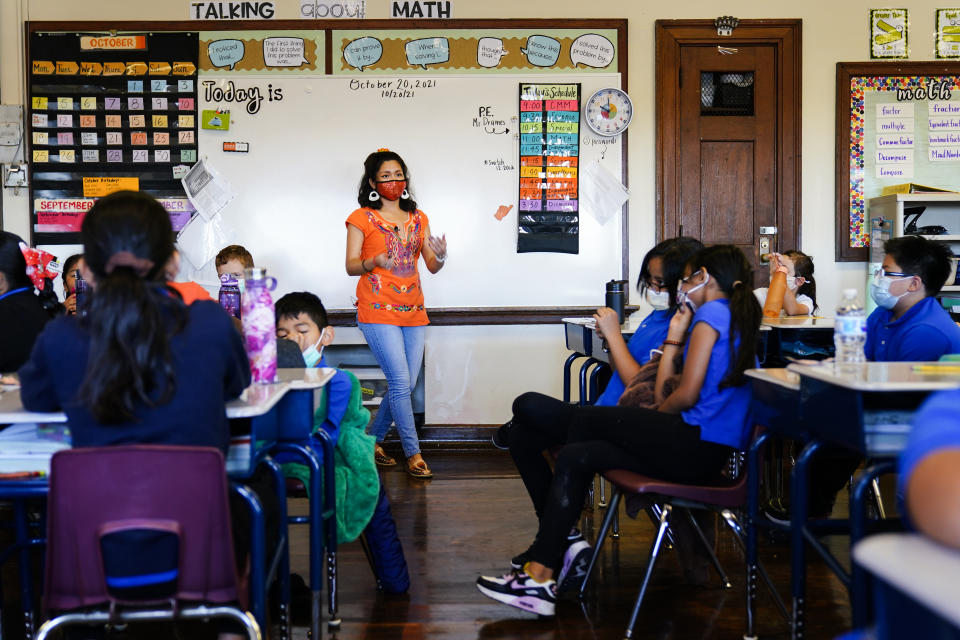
{"x":473,"y":358}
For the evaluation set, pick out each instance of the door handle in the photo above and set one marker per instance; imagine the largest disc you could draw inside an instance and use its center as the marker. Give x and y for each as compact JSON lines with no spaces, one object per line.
{"x":765,"y":234}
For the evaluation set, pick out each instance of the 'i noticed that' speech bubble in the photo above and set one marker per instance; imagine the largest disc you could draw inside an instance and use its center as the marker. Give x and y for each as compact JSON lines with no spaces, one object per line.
{"x":427,"y":51}
{"x":542,"y":51}
{"x":225,"y":53}
{"x":591,"y":49}
{"x":489,"y":52}
{"x":363,"y":52}
{"x":284,"y":52}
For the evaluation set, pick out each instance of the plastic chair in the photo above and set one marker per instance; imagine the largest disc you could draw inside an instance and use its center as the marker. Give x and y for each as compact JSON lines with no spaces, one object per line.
{"x":722,"y":499}
{"x":140,"y":533}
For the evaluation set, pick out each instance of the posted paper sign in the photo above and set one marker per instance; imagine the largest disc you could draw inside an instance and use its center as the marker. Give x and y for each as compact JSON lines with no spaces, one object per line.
{"x":948,"y":33}
{"x":207,"y":190}
{"x":888,"y":33}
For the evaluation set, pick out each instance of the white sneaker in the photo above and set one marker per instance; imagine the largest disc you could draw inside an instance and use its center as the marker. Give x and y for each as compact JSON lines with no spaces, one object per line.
{"x":521,"y":591}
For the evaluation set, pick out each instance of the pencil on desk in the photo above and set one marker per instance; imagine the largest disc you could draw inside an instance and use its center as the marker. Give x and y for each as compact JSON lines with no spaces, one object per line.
{"x":936,"y":368}
{"x":22,"y":475}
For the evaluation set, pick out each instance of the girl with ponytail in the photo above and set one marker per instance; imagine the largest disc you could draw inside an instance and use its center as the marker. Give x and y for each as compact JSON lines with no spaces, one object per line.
{"x":687,"y":438}
{"x":140,"y":367}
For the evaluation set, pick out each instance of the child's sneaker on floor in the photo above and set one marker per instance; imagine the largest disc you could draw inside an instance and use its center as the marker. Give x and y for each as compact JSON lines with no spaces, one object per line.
{"x":521,"y":591}
{"x":574,"y":569}
{"x":501,"y":437}
{"x":517,"y":561}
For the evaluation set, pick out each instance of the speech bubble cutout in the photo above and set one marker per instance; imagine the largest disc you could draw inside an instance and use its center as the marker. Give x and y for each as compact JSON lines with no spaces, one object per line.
{"x":592,"y":50}
{"x":225,"y":53}
{"x":427,"y":51}
{"x":363,"y":52}
{"x":283,"y":52}
{"x":542,"y":51}
{"x":489,"y":52}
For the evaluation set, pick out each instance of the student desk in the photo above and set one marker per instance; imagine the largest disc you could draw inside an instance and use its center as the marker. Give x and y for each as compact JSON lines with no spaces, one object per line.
{"x":915,"y":585}
{"x":866,"y":408}
{"x":775,"y":330}
{"x":257,"y":402}
{"x":583,"y":340}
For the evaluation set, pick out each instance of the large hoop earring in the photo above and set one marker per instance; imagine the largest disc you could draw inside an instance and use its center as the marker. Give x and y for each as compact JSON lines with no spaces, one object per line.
{"x":405,"y":195}
{"x":373,"y":197}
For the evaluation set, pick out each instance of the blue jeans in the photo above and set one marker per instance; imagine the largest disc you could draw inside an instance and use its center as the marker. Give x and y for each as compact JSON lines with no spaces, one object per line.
{"x":399,"y":351}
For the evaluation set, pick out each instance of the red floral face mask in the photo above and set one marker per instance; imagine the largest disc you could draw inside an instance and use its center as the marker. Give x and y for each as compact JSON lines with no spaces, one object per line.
{"x":391,"y":189}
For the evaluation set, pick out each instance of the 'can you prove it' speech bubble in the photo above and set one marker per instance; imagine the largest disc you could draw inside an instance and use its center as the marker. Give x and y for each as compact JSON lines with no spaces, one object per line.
{"x":363,"y":52}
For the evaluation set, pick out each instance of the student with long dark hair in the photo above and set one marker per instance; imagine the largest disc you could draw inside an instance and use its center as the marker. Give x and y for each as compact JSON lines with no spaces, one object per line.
{"x":22,"y":313}
{"x":689,"y":438}
{"x":140,"y":367}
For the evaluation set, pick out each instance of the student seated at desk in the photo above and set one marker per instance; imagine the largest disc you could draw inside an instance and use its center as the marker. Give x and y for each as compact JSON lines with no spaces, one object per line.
{"x":189,"y":291}
{"x":800,"y":298}
{"x":141,"y":367}
{"x":930,"y":469}
{"x":362,"y":504}
{"x":688,"y":438}
{"x":908,"y":323}
{"x":660,"y":272}
{"x":22,"y":313}
{"x":233,"y":260}
{"x":69,"y":275}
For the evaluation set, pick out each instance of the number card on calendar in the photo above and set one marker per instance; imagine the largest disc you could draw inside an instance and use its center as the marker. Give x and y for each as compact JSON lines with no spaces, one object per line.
{"x":158,"y":104}
{"x":161,"y":155}
{"x":186,"y":137}
{"x":114,"y":155}
{"x":111,"y":104}
{"x":113,"y":122}
{"x":114,"y":137}
{"x":141,"y":155}
{"x":138,"y":120}
{"x":88,"y":122}
{"x":91,"y":155}
{"x":161,"y":138}
{"x":135,"y":104}
{"x":138,"y":138}
{"x":88,"y":138}
{"x":64,"y":120}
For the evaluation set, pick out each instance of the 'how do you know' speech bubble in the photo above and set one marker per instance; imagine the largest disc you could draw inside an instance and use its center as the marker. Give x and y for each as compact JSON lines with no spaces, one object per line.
{"x":225,"y":52}
{"x":427,"y":51}
{"x":591,"y":49}
{"x":542,"y":51}
{"x":363,"y":52}
{"x":489,"y":52}
{"x":284,"y":52}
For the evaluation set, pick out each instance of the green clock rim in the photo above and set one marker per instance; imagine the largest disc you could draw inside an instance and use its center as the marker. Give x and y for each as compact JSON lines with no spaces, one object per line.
{"x":625,"y":126}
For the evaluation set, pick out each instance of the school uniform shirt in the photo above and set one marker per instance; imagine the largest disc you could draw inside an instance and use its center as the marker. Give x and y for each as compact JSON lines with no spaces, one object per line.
{"x":721,"y":414}
{"x":22,"y":318}
{"x":936,"y":427}
{"x":190,"y":291}
{"x":924,"y":333}
{"x":391,"y":295}
{"x":649,"y":335}
{"x":802,"y":298}
{"x":210,"y":368}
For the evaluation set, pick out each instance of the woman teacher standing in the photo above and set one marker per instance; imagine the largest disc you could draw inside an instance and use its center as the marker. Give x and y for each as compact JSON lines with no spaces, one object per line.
{"x":385,"y":238}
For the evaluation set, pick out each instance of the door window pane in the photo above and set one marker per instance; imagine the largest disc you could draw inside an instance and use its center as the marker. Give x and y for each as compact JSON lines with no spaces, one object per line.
{"x":726,"y":93}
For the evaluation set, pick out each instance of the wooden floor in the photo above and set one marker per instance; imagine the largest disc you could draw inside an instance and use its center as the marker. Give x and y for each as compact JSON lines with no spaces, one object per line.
{"x":475,"y":515}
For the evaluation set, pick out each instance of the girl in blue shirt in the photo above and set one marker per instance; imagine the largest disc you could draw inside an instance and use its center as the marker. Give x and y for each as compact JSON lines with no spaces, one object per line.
{"x":688,"y":439}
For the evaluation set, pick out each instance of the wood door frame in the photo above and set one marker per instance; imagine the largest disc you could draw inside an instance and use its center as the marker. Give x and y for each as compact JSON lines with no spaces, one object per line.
{"x":785,"y":35}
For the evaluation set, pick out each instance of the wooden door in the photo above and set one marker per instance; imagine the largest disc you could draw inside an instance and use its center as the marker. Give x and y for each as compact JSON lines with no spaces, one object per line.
{"x":728,"y":138}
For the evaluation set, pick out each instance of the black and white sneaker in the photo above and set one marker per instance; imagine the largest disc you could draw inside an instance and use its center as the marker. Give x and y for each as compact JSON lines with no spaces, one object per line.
{"x":521,"y":591}
{"x":501,"y":437}
{"x":574,"y":568}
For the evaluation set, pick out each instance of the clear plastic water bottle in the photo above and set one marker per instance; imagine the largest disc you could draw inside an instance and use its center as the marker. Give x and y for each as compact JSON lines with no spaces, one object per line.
{"x":850,"y":329}
{"x":230,"y":295}
{"x":80,"y":290}
{"x":259,"y":325}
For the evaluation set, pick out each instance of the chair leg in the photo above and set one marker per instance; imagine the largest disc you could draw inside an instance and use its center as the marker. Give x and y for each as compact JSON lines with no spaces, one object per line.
{"x":731,"y":519}
{"x":724,"y":579}
{"x":365,"y":545}
{"x":877,"y":498}
{"x":616,"y":522}
{"x":603,"y":492}
{"x":614,"y":503}
{"x":653,"y":512}
{"x":334,"y":620}
{"x":654,"y":552}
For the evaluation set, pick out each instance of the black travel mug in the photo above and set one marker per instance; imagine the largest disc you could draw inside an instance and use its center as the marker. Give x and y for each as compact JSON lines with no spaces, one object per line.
{"x":617,"y":297}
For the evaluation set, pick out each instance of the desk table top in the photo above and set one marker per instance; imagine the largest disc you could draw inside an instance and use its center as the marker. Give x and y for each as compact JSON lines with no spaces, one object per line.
{"x":884,"y":376}
{"x":313,"y":378}
{"x":777,"y":376}
{"x":799,"y":322}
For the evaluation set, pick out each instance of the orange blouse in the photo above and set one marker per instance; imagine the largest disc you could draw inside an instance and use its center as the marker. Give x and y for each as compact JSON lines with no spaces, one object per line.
{"x":391,"y":296}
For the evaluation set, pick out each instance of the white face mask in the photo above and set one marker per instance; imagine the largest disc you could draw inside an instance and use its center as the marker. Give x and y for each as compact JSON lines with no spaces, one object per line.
{"x":880,"y":292}
{"x":313,"y":355}
{"x":683,"y":297}
{"x":659,"y":300}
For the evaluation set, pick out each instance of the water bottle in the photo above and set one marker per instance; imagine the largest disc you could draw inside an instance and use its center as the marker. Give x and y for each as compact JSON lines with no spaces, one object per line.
{"x":80,"y":290}
{"x":616,"y":297}
{"x":259,"y":325}
{"x":230,"y":295}
{"x":849,"y":329}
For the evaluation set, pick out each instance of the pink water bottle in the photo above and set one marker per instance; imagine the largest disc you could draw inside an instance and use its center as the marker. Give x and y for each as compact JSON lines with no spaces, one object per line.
{"x":259,"y":325}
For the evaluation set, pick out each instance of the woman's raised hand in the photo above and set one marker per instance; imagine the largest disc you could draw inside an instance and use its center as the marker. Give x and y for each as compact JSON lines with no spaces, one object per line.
{"x":438,"y":246}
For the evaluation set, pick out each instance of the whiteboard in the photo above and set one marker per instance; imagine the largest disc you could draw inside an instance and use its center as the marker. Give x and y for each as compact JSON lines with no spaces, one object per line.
{"x":298,"y":183}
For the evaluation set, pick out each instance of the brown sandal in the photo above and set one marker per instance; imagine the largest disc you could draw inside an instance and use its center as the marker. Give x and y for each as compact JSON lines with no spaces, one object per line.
{"x":420,"y":470}
{"x":381,"y":458}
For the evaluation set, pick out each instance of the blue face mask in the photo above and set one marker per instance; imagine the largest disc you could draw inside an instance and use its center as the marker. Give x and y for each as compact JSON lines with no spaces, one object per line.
{"x":313,"y":355}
